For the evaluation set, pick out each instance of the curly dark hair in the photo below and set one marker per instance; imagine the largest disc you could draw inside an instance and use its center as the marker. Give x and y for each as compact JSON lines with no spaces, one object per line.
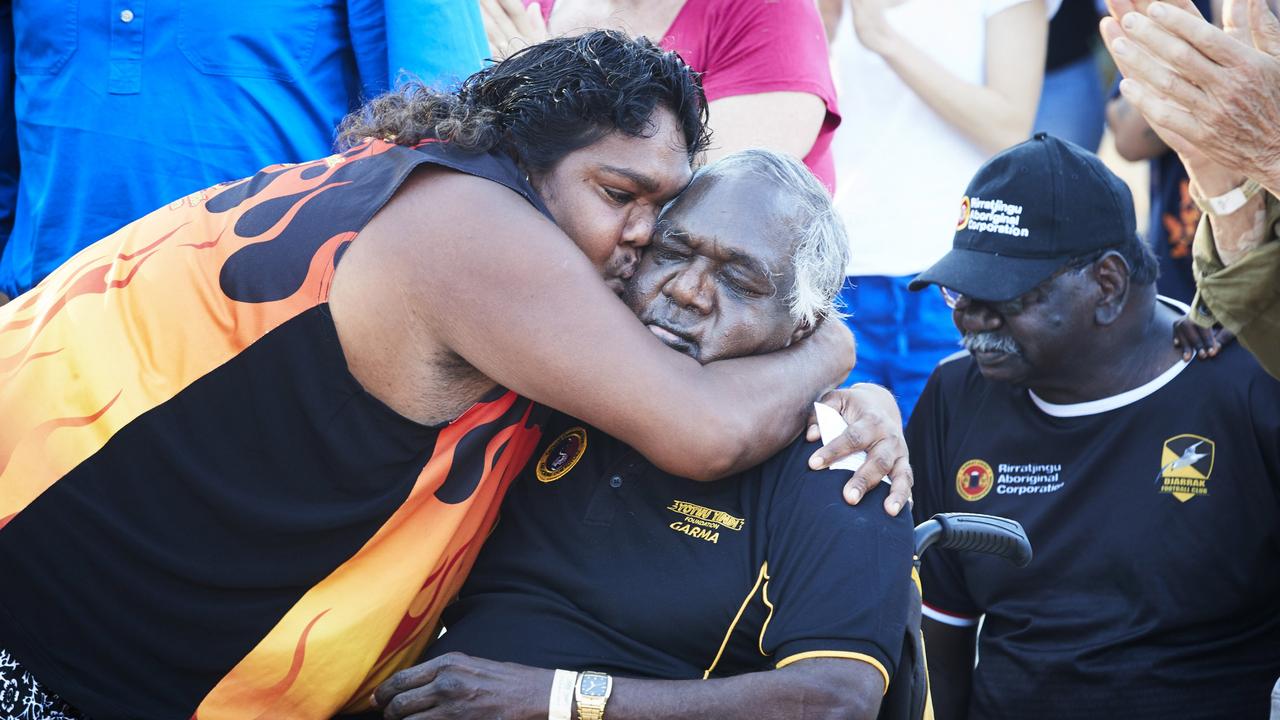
{"x":545,"y":101}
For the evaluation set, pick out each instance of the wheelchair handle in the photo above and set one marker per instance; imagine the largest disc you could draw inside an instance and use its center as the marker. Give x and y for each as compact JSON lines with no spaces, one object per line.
{"x":976,"y":533}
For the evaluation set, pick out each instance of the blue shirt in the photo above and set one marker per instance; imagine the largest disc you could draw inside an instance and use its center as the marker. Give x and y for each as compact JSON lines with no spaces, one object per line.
{"x":121,"y":106}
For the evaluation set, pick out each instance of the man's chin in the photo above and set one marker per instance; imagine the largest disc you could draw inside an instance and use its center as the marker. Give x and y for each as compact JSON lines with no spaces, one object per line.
{"x":675,"y":342}
{"x":999,"y":366}
{"x":616,"y":284}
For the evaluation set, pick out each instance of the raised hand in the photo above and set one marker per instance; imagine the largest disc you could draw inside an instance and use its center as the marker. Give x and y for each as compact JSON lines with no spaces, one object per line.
{"x":510,"y":26}
{"x":1206,"y":91}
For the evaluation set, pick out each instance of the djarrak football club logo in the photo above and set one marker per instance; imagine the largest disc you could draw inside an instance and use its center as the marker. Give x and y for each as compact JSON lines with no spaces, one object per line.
{"x":1186,"y":462}
{"x":963,"y":222}
{"x":974,"y":480}
{"x":561,"y":455}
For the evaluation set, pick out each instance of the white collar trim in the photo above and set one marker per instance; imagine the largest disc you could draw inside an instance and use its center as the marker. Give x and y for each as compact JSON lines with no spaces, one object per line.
{"x":1094,"y":407}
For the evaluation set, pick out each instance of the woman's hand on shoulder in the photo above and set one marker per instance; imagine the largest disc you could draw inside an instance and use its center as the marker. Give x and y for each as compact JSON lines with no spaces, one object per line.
{"x":875,"y":427}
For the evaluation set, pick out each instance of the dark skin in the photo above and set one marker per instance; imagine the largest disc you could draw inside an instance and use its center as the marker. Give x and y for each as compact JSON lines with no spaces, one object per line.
{"x":437,"y":303}
{"x":1135,"y":140}
{"x":713,"y":286}
{"x":682,"y":239}
{"x":1086,"y":335}
{"x":1080,"y":324}
{"x":461,"y":687}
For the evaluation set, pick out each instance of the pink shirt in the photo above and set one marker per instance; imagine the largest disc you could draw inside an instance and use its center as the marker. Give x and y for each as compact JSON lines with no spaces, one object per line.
{"x":743,"y":47}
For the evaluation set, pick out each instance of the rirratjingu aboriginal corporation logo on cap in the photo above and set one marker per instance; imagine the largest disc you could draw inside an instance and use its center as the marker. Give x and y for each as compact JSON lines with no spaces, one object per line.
{"x":987,"y":215}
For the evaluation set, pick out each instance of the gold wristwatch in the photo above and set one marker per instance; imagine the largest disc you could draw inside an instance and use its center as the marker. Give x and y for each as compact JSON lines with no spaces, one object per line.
{"x":591,"y":694}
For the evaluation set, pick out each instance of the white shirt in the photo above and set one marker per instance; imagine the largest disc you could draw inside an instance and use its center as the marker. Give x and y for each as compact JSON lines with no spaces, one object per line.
{"x":901,"y":169}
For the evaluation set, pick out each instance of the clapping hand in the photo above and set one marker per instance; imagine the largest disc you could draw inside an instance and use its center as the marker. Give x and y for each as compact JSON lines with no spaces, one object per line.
{"x":1206,"y":91}
{"x":511,"y":27}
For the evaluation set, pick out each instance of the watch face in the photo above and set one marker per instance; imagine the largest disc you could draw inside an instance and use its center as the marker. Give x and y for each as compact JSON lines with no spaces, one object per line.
{"x":594,"y":685}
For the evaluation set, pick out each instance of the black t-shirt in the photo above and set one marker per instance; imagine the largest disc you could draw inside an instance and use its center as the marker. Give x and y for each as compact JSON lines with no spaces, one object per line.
{"x":1155,"y":518}
{"x":1173,"y":221}
{"x":601,"y":561}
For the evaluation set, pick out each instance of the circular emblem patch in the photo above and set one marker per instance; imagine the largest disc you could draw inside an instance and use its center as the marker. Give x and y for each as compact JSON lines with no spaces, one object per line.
{"x":974,"y":480}
{"x":561,"y":455}
{"x":963,"y":222}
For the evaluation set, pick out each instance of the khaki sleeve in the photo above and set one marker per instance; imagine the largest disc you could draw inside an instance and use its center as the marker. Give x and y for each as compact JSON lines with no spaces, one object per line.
{"x":1244,"y":297}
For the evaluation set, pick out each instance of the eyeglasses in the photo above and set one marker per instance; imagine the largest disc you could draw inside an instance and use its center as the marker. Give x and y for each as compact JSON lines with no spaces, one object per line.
{"x":954,"y":299}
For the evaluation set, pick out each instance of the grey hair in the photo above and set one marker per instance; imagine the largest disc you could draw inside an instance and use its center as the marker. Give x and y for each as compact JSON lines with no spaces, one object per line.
{"x":822,"y":247}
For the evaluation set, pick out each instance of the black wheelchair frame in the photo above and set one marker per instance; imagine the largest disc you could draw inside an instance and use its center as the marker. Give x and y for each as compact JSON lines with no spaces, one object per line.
{"x":908,"y":694}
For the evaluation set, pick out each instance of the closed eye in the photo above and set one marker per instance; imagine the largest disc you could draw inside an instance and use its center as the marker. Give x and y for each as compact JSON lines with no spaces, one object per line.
{"x":741,"y":286}
{"x":667,"y":252}
{"x":618,"y":196}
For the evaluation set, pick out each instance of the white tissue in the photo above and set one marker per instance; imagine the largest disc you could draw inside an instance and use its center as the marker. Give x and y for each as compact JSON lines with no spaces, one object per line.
{"x":831,"y":425}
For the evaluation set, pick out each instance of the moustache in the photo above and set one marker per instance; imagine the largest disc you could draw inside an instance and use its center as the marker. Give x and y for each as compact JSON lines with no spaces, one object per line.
{"x":991,"y":342}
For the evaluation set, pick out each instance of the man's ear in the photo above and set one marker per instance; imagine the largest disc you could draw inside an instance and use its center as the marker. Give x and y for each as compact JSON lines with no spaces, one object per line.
{"x":802,"y":331}
{"x":1111,"y":274}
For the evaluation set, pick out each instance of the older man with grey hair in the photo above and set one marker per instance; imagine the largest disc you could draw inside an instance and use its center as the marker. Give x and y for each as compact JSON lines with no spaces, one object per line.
{"x":777,"y":597}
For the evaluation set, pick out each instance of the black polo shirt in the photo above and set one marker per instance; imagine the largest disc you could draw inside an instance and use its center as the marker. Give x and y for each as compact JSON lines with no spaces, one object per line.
{"x":601,"y":561}
{"x":1155,"y":517}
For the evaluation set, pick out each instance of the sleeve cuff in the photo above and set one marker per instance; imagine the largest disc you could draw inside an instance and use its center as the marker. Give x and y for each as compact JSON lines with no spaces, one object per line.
{"x":947,"y":618}
{"x":845,"y":654}
{"x":1235,"y":295}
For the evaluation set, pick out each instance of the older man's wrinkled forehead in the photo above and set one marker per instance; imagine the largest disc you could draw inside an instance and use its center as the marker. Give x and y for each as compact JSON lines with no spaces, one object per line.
{"x":739,"y":210}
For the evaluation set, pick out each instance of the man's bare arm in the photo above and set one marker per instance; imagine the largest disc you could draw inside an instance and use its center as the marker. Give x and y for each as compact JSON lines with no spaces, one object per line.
{"x":459,"y":266}
{"x":460,"y":687}
{"x":949,"y":650}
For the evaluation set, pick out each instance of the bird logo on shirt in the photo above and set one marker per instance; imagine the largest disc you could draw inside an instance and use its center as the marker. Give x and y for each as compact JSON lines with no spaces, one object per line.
{"x":1186,"y":463}
{"x":561,"y":455}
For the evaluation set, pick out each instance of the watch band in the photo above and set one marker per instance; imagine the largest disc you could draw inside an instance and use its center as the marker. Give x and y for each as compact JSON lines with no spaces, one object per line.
{"x":563,"y":685}
{"x":1229,"y":201}
{"x":591,"y":703}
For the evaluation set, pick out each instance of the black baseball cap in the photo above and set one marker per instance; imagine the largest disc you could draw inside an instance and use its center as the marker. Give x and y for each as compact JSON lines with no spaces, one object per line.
{"x":1027,"y":212}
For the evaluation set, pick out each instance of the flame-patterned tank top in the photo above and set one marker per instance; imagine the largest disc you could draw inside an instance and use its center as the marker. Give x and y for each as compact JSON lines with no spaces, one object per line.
{"x":202,"y":513}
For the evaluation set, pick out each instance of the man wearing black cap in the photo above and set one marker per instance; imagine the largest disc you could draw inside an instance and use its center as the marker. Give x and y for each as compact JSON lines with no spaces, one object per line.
{"x":1148,"y":484}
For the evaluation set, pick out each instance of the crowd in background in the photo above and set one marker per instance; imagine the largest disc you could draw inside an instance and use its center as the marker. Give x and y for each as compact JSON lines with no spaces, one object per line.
{"x":894,"y":110}
{"x":903,"y":110}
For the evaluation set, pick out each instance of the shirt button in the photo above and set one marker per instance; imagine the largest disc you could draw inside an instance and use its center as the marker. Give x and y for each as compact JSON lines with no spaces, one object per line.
{"x":126,"y":15}
{"x":615,"y":481}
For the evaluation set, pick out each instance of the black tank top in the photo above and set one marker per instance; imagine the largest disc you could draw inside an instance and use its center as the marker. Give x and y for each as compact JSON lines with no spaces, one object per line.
{"x":201,"y":511}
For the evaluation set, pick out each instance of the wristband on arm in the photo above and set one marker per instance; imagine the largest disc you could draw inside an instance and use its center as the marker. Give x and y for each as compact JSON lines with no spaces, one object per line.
{"x":563,"y":686}
{"x":1229,"y":201}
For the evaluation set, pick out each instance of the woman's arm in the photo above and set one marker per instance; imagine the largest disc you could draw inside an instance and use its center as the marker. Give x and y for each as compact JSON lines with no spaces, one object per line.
{"x":786,"y":122}
{"x":995,"y":115}
{"x":459,"y":267}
